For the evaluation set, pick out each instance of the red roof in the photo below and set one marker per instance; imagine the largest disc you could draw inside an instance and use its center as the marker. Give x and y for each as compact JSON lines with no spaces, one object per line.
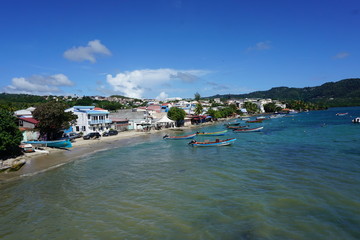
{"x":30,"y":120}
{"x":101,"y":109}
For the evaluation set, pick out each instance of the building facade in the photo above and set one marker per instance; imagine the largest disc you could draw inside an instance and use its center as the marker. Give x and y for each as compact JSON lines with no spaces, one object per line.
{"x":90,"y":119}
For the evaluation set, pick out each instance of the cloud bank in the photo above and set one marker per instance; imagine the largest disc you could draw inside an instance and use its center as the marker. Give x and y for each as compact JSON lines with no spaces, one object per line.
{"x":133,"y":84}
{"x":87,"y":53}
{"x":39,"y":84}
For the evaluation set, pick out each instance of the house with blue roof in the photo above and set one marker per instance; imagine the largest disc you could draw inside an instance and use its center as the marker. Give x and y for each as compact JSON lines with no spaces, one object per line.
{"x":90,"y":119}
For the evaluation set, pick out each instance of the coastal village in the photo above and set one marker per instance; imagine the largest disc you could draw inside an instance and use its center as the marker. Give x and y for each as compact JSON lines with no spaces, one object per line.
{"x":125,"y":122}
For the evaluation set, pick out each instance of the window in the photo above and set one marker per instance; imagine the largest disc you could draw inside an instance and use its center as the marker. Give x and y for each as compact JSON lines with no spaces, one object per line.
{"x":89,"y":117}
{"x":83,"y":128}
{"x":77,"y":128}
{"x":21,"y":123}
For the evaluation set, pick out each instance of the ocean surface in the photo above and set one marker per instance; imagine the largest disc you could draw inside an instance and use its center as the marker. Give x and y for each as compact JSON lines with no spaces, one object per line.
{"x":297,"y":179}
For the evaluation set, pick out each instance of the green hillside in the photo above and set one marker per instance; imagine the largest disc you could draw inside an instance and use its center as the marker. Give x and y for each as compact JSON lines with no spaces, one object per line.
{"x":334,"y":94}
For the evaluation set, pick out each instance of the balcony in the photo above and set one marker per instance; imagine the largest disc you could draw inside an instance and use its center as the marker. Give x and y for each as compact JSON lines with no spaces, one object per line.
{"x":93,"y":122}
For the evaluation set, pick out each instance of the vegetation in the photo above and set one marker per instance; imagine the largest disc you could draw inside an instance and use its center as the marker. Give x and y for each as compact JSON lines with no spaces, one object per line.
{"x":199,"y":108}
{"x":251,"y":107}
{"x":332,"y":94}
{"x":53,"y":118}
{"x":177,"y":115}
{"x":10,"y":135}
{"x":223,"y":112}
{"x":272,"y":107}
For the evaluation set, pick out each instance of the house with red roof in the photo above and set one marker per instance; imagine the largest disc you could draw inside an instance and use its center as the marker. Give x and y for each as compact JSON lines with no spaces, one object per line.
{"x":27,"y":123}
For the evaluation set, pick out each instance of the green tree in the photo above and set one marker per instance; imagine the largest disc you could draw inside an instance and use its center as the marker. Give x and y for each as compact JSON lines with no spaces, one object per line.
{"x":251,"y":107}
{"x":53,"y":118}
{"x":177,"y":114}
{"x":199,"y":107}
{"x":10,"y":135}
{"x":271,"y":107}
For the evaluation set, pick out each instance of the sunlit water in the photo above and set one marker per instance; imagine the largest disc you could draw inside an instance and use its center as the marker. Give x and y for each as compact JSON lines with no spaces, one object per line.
{"x":298,"y":179}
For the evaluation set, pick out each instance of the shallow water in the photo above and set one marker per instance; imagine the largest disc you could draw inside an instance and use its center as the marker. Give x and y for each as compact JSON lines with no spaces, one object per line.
{"x":297,"y":179}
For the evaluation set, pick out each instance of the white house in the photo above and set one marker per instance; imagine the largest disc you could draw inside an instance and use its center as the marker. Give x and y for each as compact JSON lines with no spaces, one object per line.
{"x":90,"y":119}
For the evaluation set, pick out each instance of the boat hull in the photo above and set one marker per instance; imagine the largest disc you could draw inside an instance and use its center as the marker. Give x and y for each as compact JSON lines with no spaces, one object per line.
{"x":221,"y":133}
{"x":56,"y":144}
{"x":213,"y":144}
{"x":249,"y":130}
{"x":179,"y":137}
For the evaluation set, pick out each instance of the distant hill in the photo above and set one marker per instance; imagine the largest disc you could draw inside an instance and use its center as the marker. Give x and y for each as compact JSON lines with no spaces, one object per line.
{"x":342,"y":93}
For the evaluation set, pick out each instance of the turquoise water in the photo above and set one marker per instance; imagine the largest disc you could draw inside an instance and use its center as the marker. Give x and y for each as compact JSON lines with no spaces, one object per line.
{"x":298,"y":179}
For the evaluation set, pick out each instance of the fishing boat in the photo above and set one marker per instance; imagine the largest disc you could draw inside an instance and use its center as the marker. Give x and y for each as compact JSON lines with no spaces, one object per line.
{"x":65,"y":143}
{"x":167,"y":137}
{"x":220,"y":133}
{"x":232,"y":124}
{"x":237,"y":127}
{"x":341,"y":114}
{"x":249,"y":129}
{"x":255,"y":121}
{"x":216,"y":143}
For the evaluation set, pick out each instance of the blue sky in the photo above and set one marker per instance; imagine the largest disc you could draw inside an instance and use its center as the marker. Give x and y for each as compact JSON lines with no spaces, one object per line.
{"x":175,"y":48}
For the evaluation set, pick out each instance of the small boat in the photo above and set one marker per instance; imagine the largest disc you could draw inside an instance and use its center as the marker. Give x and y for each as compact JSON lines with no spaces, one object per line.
{"x":215,"y":143}
{"x":237,"y":127}
{"x":341,"y":114}
{"x":27,"y":148}
{"x":232,"y":124}
{"x":65,"y":143}
{"x":261,"y":118}
{"x":220,"y":133}
{"x":356,"y":120}
{"x":255,"y":121}
{"x":249,"y":129}
{"x":179,"y":137}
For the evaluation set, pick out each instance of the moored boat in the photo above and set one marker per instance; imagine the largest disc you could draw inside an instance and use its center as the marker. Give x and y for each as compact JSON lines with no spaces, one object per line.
{"x":65,"y":143}
{"x":167,"y":137}
{"x":220,"y":133}
{"x":255,"y":121}
{"x":216,"y":143}
{"x":232,"y":124}
{"x":236,"y":127}
{"x":249,"y":129}
{"x":356,"y":120}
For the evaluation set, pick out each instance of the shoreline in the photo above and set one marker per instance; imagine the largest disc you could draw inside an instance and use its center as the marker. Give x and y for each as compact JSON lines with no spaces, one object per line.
{"x":37,"y":162}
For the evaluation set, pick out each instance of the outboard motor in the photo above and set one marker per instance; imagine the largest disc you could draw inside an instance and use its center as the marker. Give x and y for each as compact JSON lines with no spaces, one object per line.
{"x":191,"y":142}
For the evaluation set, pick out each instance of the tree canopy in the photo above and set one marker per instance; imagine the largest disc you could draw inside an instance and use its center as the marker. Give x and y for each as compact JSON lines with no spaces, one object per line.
{"x":53,"y":118}
{"x":177,"y":114}
{"x":10,"y":135}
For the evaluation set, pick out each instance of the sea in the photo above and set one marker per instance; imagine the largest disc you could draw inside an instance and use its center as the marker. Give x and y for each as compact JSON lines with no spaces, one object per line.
{"x":299,"y":178}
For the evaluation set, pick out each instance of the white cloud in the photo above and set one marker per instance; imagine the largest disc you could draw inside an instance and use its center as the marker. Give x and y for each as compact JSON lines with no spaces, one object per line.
{"x":38,"y":84}
{"x":88,"y":52}
{"x":133,"y":84}
{"x":260,"y":46}
{"x":162,"y":96}
{"x":342,"y":55}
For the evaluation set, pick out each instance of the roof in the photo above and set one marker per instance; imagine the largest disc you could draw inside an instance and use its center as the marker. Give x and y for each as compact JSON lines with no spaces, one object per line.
{"x":22,"y":112}
{"x":30,"y":120}
{"x":119,"y":119}
{"x":165,"y":119}
{"x":101,"y":109}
